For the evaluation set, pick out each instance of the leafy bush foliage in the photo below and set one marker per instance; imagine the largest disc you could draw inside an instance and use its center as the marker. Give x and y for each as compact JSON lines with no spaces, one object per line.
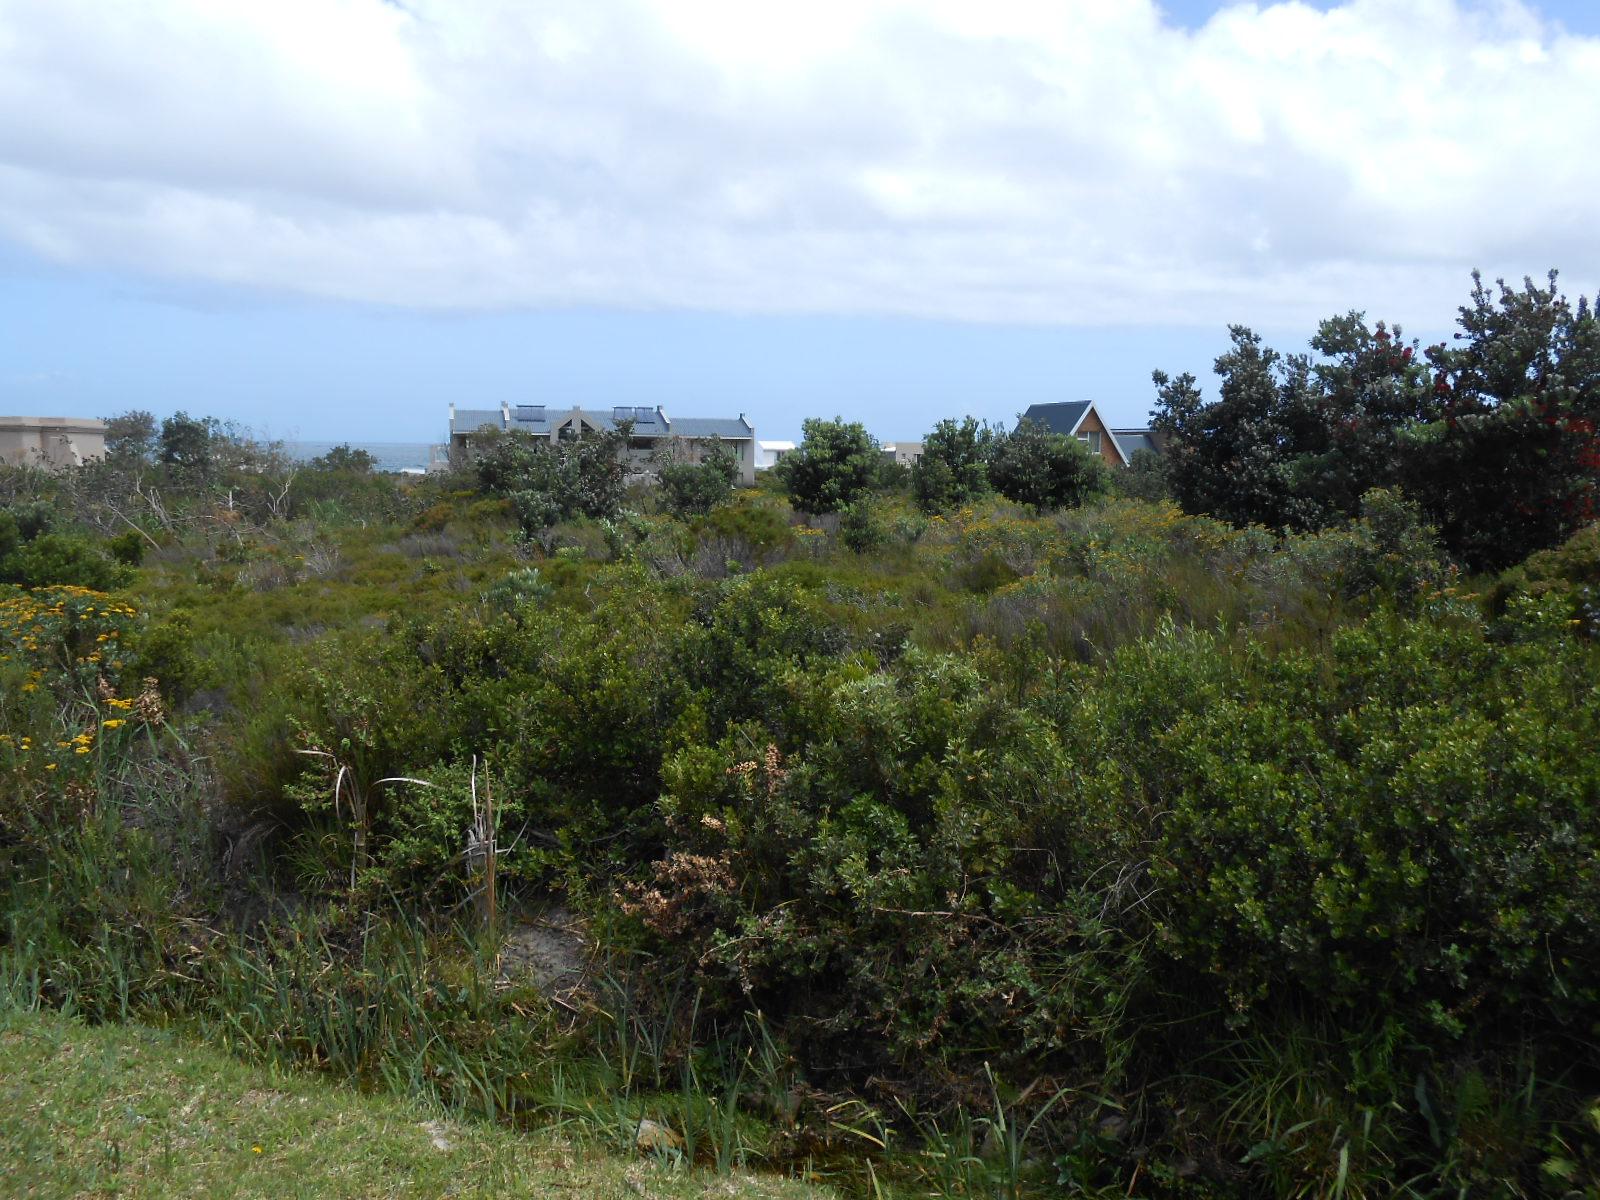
{"x":343,"y":458}
{"x":835,"y":463}
{"x":694,"y":489}
{"x":1265,"y":859}
{"x":548,"y":482}
{"x":33,"y":555}
{"x":1045,"y":470}
{"x":1495,"y":437}
{"x":1564,"y":581}
{"x":954,"y":468}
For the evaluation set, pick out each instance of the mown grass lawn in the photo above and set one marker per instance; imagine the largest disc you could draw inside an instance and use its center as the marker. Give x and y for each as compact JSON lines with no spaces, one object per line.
{"x":129,"y":1111}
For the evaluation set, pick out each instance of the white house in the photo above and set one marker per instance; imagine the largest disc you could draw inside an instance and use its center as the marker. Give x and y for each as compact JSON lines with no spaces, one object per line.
{"x":770,"y":454}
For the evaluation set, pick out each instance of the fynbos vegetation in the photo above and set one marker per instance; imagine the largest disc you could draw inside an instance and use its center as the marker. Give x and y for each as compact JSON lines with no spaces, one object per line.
{"x":1006,"y":829}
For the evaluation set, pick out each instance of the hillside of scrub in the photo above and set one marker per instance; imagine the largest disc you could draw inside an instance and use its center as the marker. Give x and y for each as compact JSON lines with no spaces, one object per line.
{"x":126,"y":1110}
{"x":1001,"y":826}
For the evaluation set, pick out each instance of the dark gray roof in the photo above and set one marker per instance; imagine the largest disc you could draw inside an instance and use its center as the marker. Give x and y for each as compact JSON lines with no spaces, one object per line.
{"x":1135,"y":439}
{"x":1057,"y":418}
{"x":727,"y":427}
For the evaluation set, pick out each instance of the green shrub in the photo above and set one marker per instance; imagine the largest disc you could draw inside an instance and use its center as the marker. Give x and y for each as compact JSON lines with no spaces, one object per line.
{"x":862,"y":527}
{"x":1045,"y":470}
{"x":32,"y":554}
{"x":1564,"y":581}
{"x":164,"y":650}
{"x":836,"y":462}
{"x":1410,"y":823}
{"x":547,"y":482}
{"x":520,"y":587}
{"x":694,"y":489}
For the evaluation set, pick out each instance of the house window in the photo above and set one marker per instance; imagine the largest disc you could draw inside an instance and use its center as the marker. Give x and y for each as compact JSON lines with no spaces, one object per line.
{"x":1092,"y":440}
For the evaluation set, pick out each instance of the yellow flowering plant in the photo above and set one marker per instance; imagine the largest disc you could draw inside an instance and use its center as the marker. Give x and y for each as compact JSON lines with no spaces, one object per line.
{"x":60,"y":676}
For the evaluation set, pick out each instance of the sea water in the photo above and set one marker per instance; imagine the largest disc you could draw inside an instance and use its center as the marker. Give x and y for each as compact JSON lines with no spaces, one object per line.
{"x":390,"y":456}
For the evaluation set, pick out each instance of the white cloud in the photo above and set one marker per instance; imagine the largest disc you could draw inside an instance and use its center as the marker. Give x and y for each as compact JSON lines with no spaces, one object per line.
{"x":1034,"y":160}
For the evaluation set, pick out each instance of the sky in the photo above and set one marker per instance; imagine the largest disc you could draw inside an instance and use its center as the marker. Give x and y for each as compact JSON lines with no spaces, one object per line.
{"x":328,"y":219}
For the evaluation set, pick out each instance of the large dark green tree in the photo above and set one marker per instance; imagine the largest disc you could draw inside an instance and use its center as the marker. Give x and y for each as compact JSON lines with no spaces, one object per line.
{"x":1295,"y":442}
{"x":1512,"y":464}
{"x":185,"y":446}
{"x":954,"y":467}
{"x":1493,"y":436}
{"x":1045,"y":470}
{"x":837,"y":462}
{"x":1232,"y":458}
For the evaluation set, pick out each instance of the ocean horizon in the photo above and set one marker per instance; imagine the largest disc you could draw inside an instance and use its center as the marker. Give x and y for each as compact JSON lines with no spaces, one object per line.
{"x":390,"y":456}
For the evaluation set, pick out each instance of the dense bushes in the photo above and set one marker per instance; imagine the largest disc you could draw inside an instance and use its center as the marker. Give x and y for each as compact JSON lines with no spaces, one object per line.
{"x":836,"y":464}
{"x":34,"y":555}
{"x":1141,"y":810}
{"x":547,"y":482}
{"x":1045,"y":470}
{"x":1494,"y":436}
{"x":694,"y":489}
{"x":1407,"y":818}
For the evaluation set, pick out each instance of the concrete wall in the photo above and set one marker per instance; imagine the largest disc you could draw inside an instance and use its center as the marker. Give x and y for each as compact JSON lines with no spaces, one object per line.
{"x":51,"y":441}
{"x":903,"y":453}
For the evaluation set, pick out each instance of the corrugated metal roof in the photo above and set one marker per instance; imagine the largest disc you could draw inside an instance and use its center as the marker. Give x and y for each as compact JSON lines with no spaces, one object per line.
{"x":531,"y":418}
{"x":1057,"y":418}
{"x":467,"y":420}
{"x":727,"y":427}
{"x":540,"y":419}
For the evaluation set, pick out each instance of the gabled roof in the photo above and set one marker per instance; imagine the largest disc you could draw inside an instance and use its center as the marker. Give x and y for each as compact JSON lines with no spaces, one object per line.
{"x":1063,"y":417}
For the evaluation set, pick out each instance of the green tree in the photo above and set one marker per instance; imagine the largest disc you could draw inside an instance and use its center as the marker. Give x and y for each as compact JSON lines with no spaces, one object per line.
{"x":954,"y":467}
{"x":836,"y":462}
{"x":1512,"y":464}
{"x":1369,"y":387}
{"x":548,"y":482}
{"x":343,"y":458}
{"x":1045,"y":470}
{"x":1230,"y":459}
{"x":1497,"y":436}
{"x":185,"y":446}
{"x":131,"y":437}
{"x":694,"y":489}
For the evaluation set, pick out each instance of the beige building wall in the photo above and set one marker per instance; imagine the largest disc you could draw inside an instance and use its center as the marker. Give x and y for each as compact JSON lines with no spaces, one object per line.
{"x":51,"y":441}
{"x":903,"y":453}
